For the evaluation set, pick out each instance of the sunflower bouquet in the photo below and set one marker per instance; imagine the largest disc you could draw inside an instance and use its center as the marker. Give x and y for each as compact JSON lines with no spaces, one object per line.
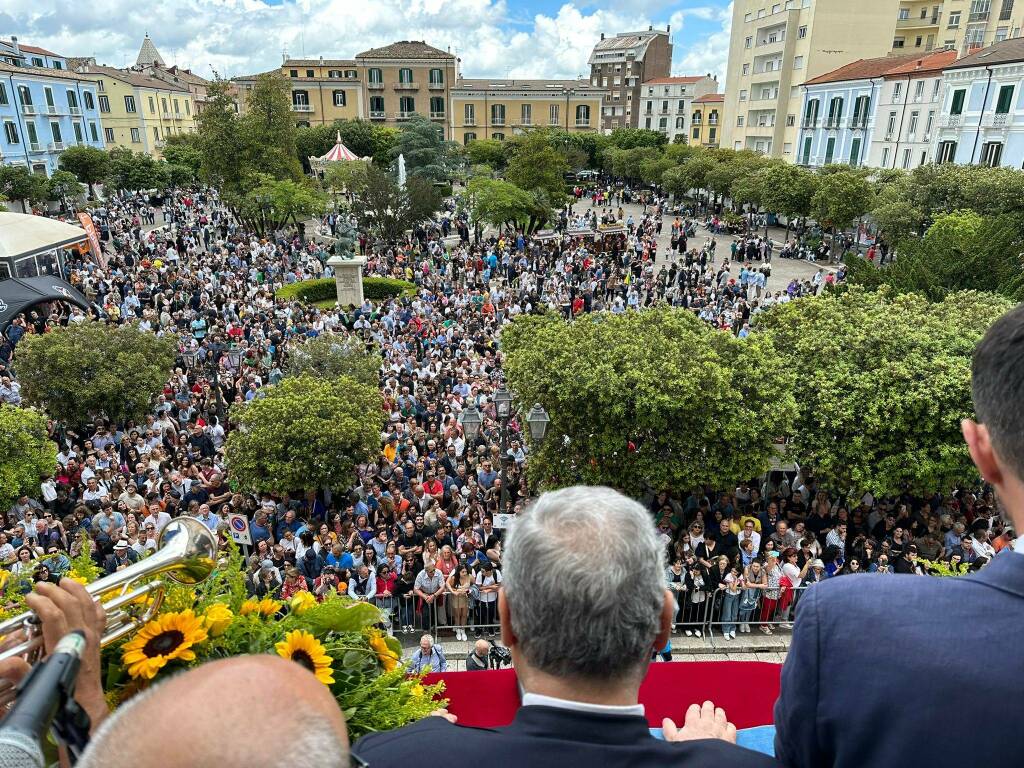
{"x":339,"y":640}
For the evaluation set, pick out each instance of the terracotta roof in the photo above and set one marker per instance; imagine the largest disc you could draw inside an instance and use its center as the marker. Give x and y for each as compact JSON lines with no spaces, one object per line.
{"x":933,"y":62}
{"x":406,"y":49}
{"x":862,"y":69}
{"x":1005,"y":52}
{"x":710,"y":97}
{"x":674,"y":80}
{"x":60,"y":74}
{"x":134,"y":78}
{"x":36,"y":49}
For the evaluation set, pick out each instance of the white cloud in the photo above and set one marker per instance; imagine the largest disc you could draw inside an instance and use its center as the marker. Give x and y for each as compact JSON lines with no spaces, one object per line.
{"x":710,"y":54}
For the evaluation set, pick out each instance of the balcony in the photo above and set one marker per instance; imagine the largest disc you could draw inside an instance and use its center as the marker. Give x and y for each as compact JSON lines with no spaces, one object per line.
{"x":28,"y":109}
{"x":35,"y":147}
{"x":928,"y":21}
{"x":770,"y":41}
{"x":831,"y":125}
{"x":711,"y":121}
{"x":52,"y":110}
{"x":375,"y":86}
{"x":55,"y":146}
{"x":582,"y":123}
{"x":378,"y":115}
{"x":809,"y":124}
{"x":167,"y":116}
{"x":997,"y":121}
{"x":696,"y":123}
{"x":497,"y":122}
{"x":469,"y":122}
{"x":302,"y":107}
{"x":435,"y":86}
{"x":406,"y":86}
{"x":858,"y":123}
{"x":980,"y":16}
{"x":437,"y":115}
{"x":74,"y":110}
{"x":405,"y":115}
{"x":952,"y":121}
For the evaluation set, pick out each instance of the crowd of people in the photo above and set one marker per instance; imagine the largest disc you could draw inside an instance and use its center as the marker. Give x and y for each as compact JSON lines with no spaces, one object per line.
{"x":420,"y":532}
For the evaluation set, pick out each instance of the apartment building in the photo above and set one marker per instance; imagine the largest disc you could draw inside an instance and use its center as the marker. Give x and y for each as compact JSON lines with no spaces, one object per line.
{"x":965,"y":26}
{"x":776,"y":45}
{"x":666,"y":104}
{"x":621,"y":65}
{"x":139,"y":112}
{"x":44,"y":108}
{"x":408,"y":78}
{"x":707,"y":120}
{"x":907,"y":111}
{"x":982,"y":113}
{"x":495,"y":109}
{"x":324,"y":90}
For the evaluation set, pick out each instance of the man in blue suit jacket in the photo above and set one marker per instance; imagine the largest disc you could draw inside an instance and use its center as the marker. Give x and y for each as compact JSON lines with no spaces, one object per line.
{"x":582,"y":607}
{"x":911,"y":670}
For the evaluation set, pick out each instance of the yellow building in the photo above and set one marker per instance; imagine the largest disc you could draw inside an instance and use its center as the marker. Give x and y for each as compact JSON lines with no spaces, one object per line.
{"x":963,"y":25}
{"x":707,"y":120}
{"x":495,"y":109}
{"x":140,"y":112}
{"x":777,"y":44}
{"x":324,"y":90}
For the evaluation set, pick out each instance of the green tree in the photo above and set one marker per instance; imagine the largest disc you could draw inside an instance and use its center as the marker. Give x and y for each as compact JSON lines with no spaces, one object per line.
{"x":786,"y":190}
{"x":272,"y":204}
{"x":499,"y":203}
{"x":133,"y":171}
{"x":881,"y":386}
{"x":83,"y":371}
{"x":538,"y":168}
{"x":840,"y":198}
{"x":426,"y":152}
{"x":184,"y":149}
{"x":27,"y":450}
{"x":489,"y":152}
{"x":648,"y":398}
{"x":89,"y":164}
{"x":383,"y":207}
{"x":304,"y":434}
{"x":631,"y":138}
{"x":19,"y":183}
{"x":64,"y":186}
{"x":179,"y":175}
{"x":330,"y":357}
{"x":268,"y":130}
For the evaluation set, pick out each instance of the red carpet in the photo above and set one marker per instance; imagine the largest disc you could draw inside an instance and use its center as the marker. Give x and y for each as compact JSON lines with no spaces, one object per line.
{"x":747,"y":690}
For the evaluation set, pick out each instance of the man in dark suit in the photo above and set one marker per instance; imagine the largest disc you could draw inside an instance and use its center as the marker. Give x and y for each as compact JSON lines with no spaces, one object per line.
{"x":122,"y":557}
{"x":581,"y":629}
{"x":912,"y":670}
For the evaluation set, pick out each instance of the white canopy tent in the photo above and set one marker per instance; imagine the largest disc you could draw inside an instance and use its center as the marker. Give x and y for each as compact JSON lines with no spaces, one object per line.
{"x":29,"y":244}
{"x":339,"y":153}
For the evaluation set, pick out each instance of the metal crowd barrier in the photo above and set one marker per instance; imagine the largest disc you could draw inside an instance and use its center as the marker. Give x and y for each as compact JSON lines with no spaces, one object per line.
{"x":748,"y":611}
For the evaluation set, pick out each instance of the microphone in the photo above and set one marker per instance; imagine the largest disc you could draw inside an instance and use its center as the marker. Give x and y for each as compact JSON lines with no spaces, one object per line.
{"x":43,"y":692}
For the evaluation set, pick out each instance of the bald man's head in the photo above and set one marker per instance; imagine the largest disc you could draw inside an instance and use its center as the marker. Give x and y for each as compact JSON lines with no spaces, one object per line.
{"x":251,"y":711}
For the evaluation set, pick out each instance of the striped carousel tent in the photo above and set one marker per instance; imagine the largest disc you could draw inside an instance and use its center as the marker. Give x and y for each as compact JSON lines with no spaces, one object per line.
{"x":339,"y":153}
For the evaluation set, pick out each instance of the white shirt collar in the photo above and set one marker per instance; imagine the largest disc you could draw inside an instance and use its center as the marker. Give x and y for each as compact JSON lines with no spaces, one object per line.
{"x":1018,"y":545}
{"x":537,"y":700}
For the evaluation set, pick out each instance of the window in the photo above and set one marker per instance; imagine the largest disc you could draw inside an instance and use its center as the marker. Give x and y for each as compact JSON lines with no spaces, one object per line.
{"x":3,"y":94}
{"x":924,"y":157}
{"x":898,"y":42}
{"x":37,"y":61}
{"x":919,"y":90}
{"x":129,"y":105}
{"x":991,"y":153}
{"x":104,"y":103}
{"x":957,"y":106}
{"x":954,"y":20}
{"x":156,"y":132}
{"x":94,"y":134}
{"x":1001,"y":33}
{"x":904,"y":14}
{"x":583,"y":114}
{"x":55,"y":132}
{"x":790,"y":121}
{"x":647,"y":123}
{"x":806,"y":154}
{"x":739,"y":121}
{"x":553,"y":114}
{"x":351,"y":74}
{"x":801,"y":32}
{"x":497,"y":114}
{"x":374,"y":76}
{"x":811,"y":114}
{"x":747,"y":42}
{"x":743,"y":95}
{"x":437,"y":106}
{"x":72,"y":99}
{"x":906,"y":158}
{"x":406,"y":105}
{"x":498,"y":136}
{"x":177,"y":109}
{"x":979,"y":10}
{"x":57,"y":65}
{"x":662,"y":123}
{"x":334,"y":73}
{"x":912,"y":125}
{"x":188,"y":107}
{"x":30,"y":130}
{"x":798,"y":62}
{"x":405,"y":76}
{"x":835,"y":110}
{"x":525,"y":114}
{"x":108,"y":134}
{"x":11,"y":132}
{"x":300,"y":98}
{"x":830,"y":149}
{"x":748,"y":16}
{"x":310,"y":73}
{"x":696,"y":132}
{"x":1005,"y":10}
{"x":890,"y":127}
{"x":79,"y":136}
{"x":152,"y":105}
{"x":746,"y":69}
{"x":917,"y":41}
{"x":928,"y":124}
{"x":860,"y":111}
{"x":468,"y":137}
{"x":338,"y":98}
{"x":48,"y":92}
{"x":87,"y":98}
{"x":855,"y":152}
{"x":897,"y":91}
{"x":163,"y":105}
{"x":935,"y":89}
{"x":469,"y":114}
{"x":293,"y":73}
{"x":1004,"y":100}
{"x":437,"y":77}
{"x":947,"y":152}
{"x":885,"y":156}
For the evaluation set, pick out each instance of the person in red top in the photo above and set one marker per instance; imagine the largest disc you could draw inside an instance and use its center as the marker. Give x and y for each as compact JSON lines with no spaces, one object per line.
{"x":433,"y":487}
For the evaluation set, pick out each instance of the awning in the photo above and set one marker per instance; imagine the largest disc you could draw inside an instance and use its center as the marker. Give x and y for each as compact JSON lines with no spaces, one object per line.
{"x":25,"y":235}
{"x":17,"y":294}
{"x":545,"y":234}
{"x":617,"y":229}
{"x":339,"y":153}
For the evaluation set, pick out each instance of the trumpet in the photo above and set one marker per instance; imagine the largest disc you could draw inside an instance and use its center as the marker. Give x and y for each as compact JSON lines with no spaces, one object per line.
{"x":186,"y":553}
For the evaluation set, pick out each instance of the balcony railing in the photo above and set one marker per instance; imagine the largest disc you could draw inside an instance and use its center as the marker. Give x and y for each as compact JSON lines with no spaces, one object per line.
{"x":377,"y":115}
{"x":35,"y":147}
{"x":832,"y":124}
{"x":952,"y":121}
{"x":469,"y":122}
{"x":712,"y":121}
{"x":302,"y":107}
{"x":407,"y":86}
{"x":809,"y":124}
{"x":498,"y":121}
{"x":28,"y":109}
{"x":997,"y":121}
{"x":772,"y":41}
{"x":582,"y":123}
{"x":858,"y":123}
{"x":928,"y":21}
{"x":375,"y":86}
{"x":75,"y":110}
{"x":56,"y":146}
{"x":52,"y":110}
{"x":405,"y":115}
{"x":435,"y":86}
{"x":437,"y":115}
{"x":979,"y":16}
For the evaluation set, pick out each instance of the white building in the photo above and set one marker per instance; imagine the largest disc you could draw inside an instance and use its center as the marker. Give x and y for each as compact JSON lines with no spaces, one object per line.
{"x":907,"y":112}
{"x":665,"y":103}
{"x":981,"y":121}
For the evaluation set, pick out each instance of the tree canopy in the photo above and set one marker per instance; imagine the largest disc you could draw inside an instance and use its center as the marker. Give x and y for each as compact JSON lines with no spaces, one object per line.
{"x":304,"y":434}
{"x":427,"y":155}
{"x":89,"y":164}
{"x":330,"y":357}
{"x":882,"y":383}
{"x":653,"y":397}
{"x":26,"y":452}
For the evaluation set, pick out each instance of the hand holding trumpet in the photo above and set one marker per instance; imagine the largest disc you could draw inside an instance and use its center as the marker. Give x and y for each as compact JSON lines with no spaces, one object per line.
{"x":62,"y":609}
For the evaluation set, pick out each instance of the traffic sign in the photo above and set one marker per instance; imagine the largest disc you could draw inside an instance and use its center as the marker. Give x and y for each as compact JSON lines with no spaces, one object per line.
{"x":240,"y":528}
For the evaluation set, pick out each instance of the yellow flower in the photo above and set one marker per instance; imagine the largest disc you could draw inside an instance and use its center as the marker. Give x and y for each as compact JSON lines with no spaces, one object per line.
{"x":79,"y":579}
{"x":169,"y":636}
{"x":417,"y":690}
{"x":301,"y":647}
{"x":218,"y":618}
{"x":302,"y":602}
{"x":387,"y":657}
{"x":264,"y":607}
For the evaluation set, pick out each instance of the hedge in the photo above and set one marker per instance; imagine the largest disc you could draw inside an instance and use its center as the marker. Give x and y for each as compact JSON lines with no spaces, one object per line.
{"x":374,"y":288}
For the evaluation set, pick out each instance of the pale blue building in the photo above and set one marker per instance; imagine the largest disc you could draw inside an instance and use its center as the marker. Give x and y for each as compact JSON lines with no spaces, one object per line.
{"x":44,"y":108}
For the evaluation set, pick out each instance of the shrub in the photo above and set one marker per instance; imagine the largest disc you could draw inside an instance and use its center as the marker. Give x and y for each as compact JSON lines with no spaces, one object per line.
{"x":374,"y":288}
{"x":378,"y":288}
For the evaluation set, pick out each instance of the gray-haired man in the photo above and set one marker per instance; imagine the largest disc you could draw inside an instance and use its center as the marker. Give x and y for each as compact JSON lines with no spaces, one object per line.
{"x":582,"y":606}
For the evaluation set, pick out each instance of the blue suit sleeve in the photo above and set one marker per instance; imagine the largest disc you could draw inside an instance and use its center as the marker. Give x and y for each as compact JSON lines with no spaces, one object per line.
{"x":796,"y":711}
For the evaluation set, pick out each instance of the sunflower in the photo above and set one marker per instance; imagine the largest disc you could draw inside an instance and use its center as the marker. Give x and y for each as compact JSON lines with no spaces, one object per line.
{"x":302,"y":602}
{"x":301,"y":647}
{"x":167,"y":637}
{"x":264,"y":607}
{"x":387,"y":657}
{"x":218,"y":618}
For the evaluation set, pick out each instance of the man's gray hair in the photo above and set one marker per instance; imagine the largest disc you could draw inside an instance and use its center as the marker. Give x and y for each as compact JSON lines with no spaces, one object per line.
{"x":584,"y":579}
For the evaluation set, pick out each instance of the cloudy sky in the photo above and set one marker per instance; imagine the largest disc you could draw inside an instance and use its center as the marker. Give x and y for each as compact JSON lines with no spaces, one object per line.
{"x":494,"y":38}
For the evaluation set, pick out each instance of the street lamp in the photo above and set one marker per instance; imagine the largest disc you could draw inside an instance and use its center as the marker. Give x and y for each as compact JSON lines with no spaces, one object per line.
{"x":470,"y":421}
{"x":537,"y":419}
{"x":503,"y":402}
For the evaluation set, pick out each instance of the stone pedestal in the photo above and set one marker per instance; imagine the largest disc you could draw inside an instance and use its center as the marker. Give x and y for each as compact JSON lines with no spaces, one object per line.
{"x":348,"y":279}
